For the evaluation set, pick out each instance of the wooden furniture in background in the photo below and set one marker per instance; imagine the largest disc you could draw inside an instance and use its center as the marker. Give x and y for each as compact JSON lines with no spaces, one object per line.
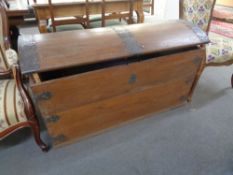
{"x":118,"y":14}
{"x":15,"y":11}
{"x":223,"y":13}
{"x":69,"y":8}
{"x":91,"y":80}
{"x":71,"y":21}
{"x":149,"y":5}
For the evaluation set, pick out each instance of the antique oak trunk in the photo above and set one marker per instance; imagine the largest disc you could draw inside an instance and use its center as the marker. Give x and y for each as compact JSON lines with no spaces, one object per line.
{"x":84,"y":82}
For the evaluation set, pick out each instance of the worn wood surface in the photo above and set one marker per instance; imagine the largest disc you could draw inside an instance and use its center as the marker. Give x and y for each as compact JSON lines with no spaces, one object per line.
{"x":114,"y":81}
{"x":144,"y":69}
{"x":89,"y":103}
{"x":93,"y":118}
{"x":40,"y":53}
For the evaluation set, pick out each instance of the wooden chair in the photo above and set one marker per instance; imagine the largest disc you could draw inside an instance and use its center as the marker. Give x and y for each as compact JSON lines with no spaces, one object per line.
{"x":220,"y":50}
{"x":112,"y":19}
{"x":16,"y":107}
{"x":148,"y":6}
{"x":67,"y":23}
{"x":128,"y":15}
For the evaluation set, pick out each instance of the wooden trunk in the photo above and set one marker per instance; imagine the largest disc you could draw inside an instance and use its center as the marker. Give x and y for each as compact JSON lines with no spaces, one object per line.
{"x":84,"y":82}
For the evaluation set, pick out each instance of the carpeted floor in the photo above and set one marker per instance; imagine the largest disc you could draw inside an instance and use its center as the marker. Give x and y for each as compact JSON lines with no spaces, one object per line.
{"x":196,"y":139}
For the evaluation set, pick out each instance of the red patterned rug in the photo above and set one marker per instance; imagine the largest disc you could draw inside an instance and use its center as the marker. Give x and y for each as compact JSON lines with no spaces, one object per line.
{"x":222,"y":12}
{"x":222,"y":28}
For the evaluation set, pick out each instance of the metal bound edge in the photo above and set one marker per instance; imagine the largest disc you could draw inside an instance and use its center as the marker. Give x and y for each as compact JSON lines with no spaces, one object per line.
{"x":203,"y":37}
{"x":58,"y":139}
{"x":28,"y":54}
{"x":128,"y":40}
{"x":43,"y":96}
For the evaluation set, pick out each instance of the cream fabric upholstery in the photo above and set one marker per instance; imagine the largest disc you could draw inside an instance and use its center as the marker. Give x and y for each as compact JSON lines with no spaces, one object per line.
{"x":9,"y":54}
{"x":220,"y":49}
{"x":11,"y":58}
{"x":3,"y":65}
{"x":11,"y":105}
{"x":197,"y":11}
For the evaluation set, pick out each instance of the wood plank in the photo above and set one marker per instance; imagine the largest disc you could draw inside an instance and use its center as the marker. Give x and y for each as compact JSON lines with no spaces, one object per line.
{"x":93,"y":118}
{"x":106,"y":83}
{"x":76,"y":48}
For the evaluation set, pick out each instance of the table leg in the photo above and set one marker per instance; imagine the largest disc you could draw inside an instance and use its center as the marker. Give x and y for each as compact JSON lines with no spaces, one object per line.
{"x":140,"y":16}
{"x":42,"y":26}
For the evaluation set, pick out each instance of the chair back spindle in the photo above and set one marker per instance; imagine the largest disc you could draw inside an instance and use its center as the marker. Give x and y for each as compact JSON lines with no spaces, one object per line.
{"x":51,"y":11}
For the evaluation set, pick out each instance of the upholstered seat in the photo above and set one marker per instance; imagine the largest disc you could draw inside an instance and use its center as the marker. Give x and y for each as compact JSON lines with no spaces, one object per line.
{"x":220,"y":49}
{"x":16,"y":108}
{"x":67,"y":27}
{"x":109,"y":23}
{"x":223,"y":13}
{"x":11,"y":58}
{"x":11,"y":105}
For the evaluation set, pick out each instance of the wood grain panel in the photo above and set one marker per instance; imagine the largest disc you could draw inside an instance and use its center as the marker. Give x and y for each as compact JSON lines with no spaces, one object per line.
{"x":77,"y":48}
{"x":96,"y":117}
{"x":98,"y":85}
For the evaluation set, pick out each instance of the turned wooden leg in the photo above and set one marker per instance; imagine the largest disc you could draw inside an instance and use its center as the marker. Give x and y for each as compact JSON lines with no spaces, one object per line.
{"x":232,"y":81}
{"x":140,"y":16}
{"x":36,"y":131}
{"x":42,"y":24}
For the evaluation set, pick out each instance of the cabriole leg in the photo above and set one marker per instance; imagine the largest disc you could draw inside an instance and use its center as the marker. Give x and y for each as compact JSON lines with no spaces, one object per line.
{"x":36,"y":132}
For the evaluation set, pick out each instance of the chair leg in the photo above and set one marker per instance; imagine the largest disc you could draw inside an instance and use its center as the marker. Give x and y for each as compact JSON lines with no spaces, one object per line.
{"x":36,"y":131}
{"x":232,"y":81}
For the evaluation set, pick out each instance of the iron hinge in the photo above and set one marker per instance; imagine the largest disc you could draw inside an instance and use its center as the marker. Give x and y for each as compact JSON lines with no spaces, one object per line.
{"x":59,"y":139}
{"x":44,"y":96}
{"x":132,"y":79}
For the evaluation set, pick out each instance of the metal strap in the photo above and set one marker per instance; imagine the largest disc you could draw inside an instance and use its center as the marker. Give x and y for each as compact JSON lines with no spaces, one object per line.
{"x":28,"y":54}
{"x":129,"y":41}
{"x":203,"y":37}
